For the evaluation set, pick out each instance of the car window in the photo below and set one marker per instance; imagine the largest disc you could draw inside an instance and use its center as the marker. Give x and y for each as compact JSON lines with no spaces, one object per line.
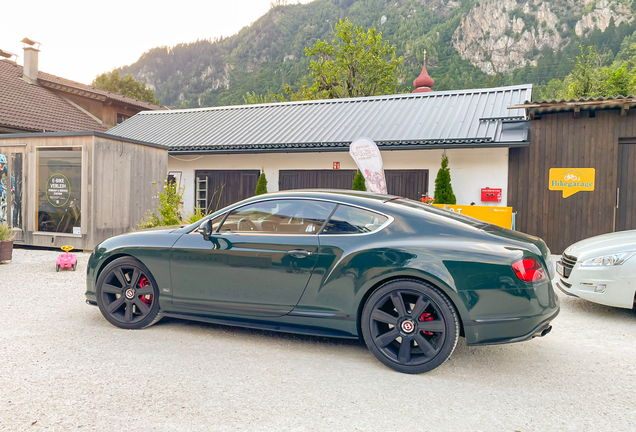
{"x":279,"y":216}
{"x":352,"y":220}
{"x":418,"y":206}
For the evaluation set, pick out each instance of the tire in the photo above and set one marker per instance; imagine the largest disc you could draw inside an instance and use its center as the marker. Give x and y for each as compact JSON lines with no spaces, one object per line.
{"x":414,"y":335}
{"x":74,"y":266}
{"x":57,"y":268}
{"x":128,"y":295}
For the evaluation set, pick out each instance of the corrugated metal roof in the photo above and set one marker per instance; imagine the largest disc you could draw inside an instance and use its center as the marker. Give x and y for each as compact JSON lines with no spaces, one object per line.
{"x":447,"y":117}
{"x":589,"y":104}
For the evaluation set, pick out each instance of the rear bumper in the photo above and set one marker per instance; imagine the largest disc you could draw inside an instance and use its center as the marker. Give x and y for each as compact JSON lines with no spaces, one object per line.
{"x":518,"y":316}
{"x":542,"y":329}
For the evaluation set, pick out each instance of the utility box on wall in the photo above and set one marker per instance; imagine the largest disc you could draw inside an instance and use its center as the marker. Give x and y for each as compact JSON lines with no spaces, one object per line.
{"x":491,"y":194}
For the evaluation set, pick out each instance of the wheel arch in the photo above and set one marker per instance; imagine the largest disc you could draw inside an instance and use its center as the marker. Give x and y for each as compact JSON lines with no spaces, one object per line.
{"x":108,"y":261}
{"x":454,"y":300}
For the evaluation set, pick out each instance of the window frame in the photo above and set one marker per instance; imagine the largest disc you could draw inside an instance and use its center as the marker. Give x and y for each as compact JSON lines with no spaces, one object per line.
{"x":337,"y":203}
{"x":35,"y":192}
{"x":380,"y":228}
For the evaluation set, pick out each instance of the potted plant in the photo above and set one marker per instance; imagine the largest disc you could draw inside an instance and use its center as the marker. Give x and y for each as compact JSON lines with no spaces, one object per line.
{"x":6,"y":242}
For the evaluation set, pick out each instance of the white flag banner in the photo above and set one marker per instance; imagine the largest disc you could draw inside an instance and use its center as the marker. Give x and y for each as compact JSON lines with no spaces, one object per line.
{"x":367,"y":156}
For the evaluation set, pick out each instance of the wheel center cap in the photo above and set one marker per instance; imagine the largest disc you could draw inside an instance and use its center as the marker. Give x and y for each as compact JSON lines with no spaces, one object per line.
{"x":130,"y":293}
{"x":408,"y":326}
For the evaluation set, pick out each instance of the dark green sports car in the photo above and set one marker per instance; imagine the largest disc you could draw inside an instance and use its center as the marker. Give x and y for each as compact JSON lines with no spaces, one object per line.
{"x":406,"y":277}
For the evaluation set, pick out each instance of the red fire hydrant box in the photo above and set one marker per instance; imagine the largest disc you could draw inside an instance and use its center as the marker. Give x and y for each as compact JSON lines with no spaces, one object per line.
{"x":491,"y":194}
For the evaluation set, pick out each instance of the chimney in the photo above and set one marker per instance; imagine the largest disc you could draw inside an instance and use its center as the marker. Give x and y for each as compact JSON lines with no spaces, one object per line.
{"x":30,"y":71}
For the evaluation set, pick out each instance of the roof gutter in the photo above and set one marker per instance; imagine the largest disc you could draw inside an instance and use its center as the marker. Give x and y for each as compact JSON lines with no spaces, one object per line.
{"x":346,"y":148}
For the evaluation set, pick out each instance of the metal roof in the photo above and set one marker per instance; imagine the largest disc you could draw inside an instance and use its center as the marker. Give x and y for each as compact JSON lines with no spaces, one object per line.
{"x":589,"y":104}
{"x":472,"y":118}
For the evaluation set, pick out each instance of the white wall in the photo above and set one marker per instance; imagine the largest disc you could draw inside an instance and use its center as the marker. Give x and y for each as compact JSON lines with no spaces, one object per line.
{"x":471,"y":169}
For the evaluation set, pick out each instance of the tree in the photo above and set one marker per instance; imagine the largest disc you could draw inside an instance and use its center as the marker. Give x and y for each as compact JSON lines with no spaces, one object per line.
{"x":443,"y":189}
{"x":358,"y":182}
{"x":126,"y":86}
{"x":357,"y":62}
{"x":261,"y":186}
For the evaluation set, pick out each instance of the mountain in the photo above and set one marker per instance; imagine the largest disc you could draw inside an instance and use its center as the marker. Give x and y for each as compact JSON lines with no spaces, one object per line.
{"x":469,"y":44}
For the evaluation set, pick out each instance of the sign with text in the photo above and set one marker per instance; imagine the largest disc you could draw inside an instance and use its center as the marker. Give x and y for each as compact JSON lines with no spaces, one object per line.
{"x":500,"y":216}
{"x":367,"y":156}
{"x":572,"y":180}
{"x":58,"y":190}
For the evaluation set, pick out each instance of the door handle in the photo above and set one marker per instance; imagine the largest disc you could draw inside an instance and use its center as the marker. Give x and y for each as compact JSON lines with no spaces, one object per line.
{"x":299,"y":253}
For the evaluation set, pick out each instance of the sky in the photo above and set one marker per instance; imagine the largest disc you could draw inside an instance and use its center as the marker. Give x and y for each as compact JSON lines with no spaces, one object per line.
{"x":82,"y":39}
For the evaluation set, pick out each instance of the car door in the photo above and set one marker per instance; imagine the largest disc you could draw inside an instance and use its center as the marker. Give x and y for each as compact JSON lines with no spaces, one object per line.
{"x":256,"y":262}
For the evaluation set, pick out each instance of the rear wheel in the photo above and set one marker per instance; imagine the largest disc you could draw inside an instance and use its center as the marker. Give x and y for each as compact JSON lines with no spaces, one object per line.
{"x":410,"y":326}
{"x":127,"y":294}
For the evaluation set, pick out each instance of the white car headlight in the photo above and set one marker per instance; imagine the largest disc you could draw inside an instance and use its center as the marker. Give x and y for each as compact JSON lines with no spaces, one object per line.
{"x":608,"y":260}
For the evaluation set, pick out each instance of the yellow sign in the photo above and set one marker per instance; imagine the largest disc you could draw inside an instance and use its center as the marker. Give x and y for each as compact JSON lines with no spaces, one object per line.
{"x":572,"y":180}
{"x":500,"y":216}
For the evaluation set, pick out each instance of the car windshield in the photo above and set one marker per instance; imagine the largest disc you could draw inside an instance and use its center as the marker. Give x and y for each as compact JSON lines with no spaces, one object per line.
{"x":438,"y":211}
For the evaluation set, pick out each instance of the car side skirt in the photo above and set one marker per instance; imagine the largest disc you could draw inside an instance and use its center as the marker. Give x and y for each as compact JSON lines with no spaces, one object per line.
{"x":261,"y":325}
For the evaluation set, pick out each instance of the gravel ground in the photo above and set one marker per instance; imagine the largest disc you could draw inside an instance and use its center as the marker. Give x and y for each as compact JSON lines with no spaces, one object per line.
{"x":63,"y":367}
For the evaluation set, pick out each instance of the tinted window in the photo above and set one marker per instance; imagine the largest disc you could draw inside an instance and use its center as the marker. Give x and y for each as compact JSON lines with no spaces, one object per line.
{"x":279,"y":216}
{"x":352,"y":220}
{"x":418,"y":206}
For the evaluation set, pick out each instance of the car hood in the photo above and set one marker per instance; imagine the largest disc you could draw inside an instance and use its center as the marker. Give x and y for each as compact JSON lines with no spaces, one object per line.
{"x":622,"y":241}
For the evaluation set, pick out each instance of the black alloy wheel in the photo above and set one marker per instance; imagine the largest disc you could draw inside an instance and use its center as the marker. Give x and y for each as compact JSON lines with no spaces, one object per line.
{"x":410,"y":326}
{"x":127,"y":294}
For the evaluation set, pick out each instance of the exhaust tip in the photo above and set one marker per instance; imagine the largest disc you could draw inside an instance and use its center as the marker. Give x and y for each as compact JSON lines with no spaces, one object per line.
{"x":546,"y":331}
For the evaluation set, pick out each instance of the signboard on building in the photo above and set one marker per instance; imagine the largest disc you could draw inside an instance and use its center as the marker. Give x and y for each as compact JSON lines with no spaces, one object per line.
{"x":572,"y":180}
{"x":500,"y":216}
{"x":58,"y":190}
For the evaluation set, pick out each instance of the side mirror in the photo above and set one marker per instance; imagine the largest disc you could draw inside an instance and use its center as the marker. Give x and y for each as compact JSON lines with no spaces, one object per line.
{"x":206,"y":229}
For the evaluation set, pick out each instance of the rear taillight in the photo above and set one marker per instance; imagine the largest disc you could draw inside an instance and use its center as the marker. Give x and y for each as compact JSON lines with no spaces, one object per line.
{"x":529,"y":270}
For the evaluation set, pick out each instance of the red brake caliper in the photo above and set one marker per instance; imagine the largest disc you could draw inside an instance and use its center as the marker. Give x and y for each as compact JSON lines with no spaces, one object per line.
{"x":427,"y":317}
{"x":144,"y":282}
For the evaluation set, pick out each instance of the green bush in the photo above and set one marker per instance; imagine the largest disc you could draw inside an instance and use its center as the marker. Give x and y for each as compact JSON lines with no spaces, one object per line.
{"x":261,"y":186}
{"x":169,"y":202}
{"x":166,"y":211}
{"x":6,"y":233}
{"x":358,"y":182}
{"x":443,"y":189}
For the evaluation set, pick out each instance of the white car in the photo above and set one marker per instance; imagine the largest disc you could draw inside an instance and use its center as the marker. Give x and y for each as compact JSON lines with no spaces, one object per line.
{"x":601,"y":269}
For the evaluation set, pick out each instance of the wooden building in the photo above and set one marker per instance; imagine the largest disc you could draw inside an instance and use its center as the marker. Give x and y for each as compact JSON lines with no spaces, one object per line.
{"x":591,"y":133}
{"x":35,"y":101}
{"x":77,"y":188}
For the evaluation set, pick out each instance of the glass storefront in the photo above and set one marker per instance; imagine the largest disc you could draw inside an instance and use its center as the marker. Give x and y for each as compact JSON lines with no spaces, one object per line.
{"x":59,"y":179}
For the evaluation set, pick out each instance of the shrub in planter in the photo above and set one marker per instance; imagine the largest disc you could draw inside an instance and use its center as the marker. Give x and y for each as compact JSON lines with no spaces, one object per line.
{"x":6,"y":242}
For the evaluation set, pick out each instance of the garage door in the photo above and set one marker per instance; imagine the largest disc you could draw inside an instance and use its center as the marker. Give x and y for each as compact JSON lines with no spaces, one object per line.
{"x":406,"y":183}
{"x":216,"y":189}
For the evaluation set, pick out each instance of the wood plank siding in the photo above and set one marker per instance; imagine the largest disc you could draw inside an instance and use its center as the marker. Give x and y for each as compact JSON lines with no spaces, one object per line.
{"x":118,"y":182}
{"x":558,"y":140}
{"x":411,"y":184}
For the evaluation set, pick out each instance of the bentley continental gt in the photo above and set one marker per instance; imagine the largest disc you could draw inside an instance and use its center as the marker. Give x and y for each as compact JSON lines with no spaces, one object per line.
{"x":406,"y":277}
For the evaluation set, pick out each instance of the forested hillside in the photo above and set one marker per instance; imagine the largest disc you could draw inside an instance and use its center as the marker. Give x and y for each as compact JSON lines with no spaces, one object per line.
{"x":470,"y":44}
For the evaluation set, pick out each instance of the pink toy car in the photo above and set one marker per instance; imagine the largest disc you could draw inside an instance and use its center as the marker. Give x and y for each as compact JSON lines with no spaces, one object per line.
{"x":66,"y":260}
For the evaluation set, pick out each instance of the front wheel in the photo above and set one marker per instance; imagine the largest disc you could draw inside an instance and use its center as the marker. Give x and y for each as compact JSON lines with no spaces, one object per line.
{"x":127,"y":294}
{"x":410,"y":326}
